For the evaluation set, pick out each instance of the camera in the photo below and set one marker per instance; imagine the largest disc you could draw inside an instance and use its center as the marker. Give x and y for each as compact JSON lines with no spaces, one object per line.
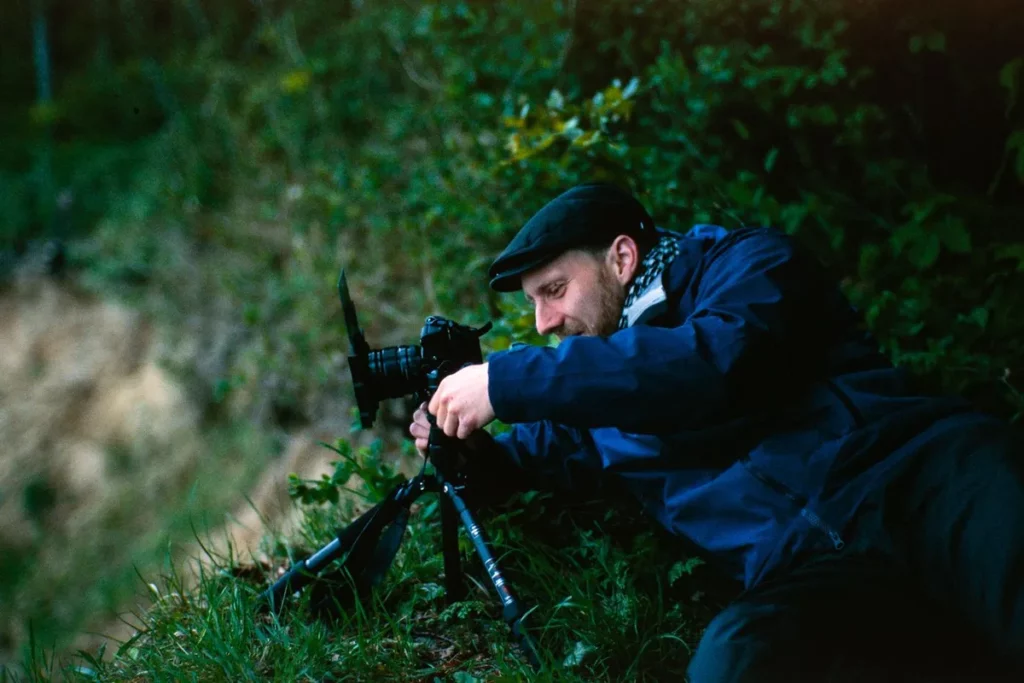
{"x":409,"y":370}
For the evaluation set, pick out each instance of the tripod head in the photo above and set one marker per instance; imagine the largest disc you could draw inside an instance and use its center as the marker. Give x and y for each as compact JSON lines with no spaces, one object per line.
{"x":410,"y":370}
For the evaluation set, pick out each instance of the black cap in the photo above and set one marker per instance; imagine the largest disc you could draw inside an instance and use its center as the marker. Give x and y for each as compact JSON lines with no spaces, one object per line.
{"x":583,"y":216}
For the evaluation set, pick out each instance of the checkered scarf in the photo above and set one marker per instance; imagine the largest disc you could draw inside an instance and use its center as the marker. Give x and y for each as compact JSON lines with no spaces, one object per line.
{"x":651,"y":268}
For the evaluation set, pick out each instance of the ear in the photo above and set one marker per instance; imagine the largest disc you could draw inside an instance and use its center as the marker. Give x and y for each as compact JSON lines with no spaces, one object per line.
{"x":624,"y":258}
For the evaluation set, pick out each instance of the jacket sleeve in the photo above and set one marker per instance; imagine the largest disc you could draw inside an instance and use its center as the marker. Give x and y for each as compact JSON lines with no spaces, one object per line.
{"x":752,"y":316}
{"x":548,"y":457}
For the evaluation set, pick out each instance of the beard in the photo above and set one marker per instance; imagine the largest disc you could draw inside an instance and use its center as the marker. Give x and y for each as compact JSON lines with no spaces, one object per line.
{"x":610,"y":299}
{"x":603,"y":320}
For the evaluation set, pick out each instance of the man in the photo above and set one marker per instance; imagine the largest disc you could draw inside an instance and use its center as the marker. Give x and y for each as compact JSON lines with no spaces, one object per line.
{"x":724,"y":380}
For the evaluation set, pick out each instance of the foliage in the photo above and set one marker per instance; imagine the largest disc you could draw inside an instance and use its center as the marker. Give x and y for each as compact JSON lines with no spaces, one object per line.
{"x":377,"y":476}
{"x":595,"y":577}
{"x":784,"y":113}
{"x":416,"y":172}
{"x":408,"y":142}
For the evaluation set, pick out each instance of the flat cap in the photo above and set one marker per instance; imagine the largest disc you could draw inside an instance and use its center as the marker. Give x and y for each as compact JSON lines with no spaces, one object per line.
{"x":583,"y":216}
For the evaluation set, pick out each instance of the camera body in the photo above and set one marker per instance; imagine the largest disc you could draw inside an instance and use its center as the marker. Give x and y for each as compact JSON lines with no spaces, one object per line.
{"x":409,"y":370}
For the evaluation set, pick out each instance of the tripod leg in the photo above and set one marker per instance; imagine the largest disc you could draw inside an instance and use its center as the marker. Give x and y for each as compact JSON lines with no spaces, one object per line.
{"x":359,"y":542}
{"x":455,"y":588}
{"x":441,"y":449}
{"x":512,"y":611}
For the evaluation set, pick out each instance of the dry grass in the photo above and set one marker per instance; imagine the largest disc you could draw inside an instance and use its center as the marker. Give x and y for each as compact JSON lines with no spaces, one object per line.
{"x":99,"y":442}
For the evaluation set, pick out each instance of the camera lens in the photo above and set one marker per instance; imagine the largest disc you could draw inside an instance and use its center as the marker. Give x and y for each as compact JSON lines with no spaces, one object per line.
{"x":395,"y":370}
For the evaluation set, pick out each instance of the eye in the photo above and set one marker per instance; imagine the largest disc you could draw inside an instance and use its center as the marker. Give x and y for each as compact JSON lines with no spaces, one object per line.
{"x":556,"y":290}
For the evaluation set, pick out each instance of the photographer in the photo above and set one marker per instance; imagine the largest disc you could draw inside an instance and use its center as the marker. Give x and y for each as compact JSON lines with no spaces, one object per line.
{"x":725,"y":381}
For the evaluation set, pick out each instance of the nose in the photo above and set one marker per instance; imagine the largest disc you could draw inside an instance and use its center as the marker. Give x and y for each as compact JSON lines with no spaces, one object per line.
{"x":548,"y":319}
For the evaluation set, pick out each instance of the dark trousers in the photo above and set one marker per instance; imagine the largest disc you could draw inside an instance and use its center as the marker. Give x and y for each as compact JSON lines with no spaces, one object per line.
{"x":941,"y":599}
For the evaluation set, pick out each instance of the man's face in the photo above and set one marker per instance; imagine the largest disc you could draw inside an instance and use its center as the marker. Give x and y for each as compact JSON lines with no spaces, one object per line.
{"x":579,"y":293}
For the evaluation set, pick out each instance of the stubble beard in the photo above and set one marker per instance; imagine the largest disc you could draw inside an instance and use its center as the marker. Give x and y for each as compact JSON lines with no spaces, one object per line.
{"x":611,"y":297}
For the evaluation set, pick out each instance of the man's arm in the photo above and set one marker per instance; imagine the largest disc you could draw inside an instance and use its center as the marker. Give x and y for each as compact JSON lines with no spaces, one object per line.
{"x":548,"y":457}
{"x":756,"y":315}
{"x":531,"y":456}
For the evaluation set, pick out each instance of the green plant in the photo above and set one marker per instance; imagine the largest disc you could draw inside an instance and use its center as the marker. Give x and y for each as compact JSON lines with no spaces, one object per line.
{"x":377,"y":476}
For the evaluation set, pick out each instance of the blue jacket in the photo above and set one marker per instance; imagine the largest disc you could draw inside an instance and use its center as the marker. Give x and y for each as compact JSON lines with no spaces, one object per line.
{"x":746,"y":408}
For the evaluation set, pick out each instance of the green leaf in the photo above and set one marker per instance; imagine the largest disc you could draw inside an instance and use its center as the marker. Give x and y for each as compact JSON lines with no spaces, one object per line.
{"x":631,"y":88}
{"x":978,"y":316}
{"x":824,"y":114}
{"x":342,"y":473}
{"x":341,"y":447}
{"x":586,"y":139}
{"x":1013,"y":252}
{"x":741,"y":130}
{"x":579,"y":653}
{"x":906,"y":235}
{"x":556,"y":100}
{"x":954,"y":235}
{"x":1009,"y":74}
{"x":934,"y":41}
{"x":924,"y":252}
{"x":680,"y":568}
{"x":1009,"y":78}
{"x":769,"y":159}
{"x":869,"y":258}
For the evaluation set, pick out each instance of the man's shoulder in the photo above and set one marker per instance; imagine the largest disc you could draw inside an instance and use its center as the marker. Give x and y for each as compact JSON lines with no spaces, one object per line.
{"x":698,"y":232}
{"x":713,"y":232}
{"x":709,"y":238}
{"x":694,"y":244}
{"x":709,"y":242}
{"x":703,"y":246}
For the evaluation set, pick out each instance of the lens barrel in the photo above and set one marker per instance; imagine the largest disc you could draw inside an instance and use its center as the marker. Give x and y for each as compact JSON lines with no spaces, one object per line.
{"x":395,"y":371}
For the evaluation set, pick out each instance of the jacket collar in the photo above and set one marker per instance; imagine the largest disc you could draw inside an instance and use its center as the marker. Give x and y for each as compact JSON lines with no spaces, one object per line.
{"x":662,"y":295}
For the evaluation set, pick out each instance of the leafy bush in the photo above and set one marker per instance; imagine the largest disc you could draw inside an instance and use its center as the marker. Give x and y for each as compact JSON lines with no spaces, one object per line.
{"x":409,"y":143}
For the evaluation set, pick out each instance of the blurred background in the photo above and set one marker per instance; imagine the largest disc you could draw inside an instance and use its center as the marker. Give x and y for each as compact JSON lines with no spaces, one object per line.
{"x":182,"y":180}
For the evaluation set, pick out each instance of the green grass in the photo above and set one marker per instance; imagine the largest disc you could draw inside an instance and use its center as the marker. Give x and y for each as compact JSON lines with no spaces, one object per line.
{"x":87,"y":578}
{"x":596,"y":582}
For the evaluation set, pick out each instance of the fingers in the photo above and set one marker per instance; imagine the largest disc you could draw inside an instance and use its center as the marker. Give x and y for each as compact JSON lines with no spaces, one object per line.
{"x":419,"y":431}
{"x":420,"y":423}
{"x":451,"y":423}
{"x":453,"y":427}
{"x":420,"y":428}
{"x":450,"y":418}
{"x":441,"y":408}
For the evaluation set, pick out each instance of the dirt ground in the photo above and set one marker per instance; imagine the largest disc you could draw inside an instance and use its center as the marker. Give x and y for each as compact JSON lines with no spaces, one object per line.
{"x":88,"y":413}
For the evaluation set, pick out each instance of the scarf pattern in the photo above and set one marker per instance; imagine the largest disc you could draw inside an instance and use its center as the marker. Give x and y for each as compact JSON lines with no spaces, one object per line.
{"x":647,"y":290}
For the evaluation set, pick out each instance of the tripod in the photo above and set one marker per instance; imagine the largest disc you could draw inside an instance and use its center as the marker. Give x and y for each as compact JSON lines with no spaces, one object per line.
{"x":369,"y":549}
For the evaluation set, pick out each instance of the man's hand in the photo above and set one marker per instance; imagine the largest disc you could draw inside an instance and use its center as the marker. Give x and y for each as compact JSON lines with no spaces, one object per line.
{"x":420,"y":429}
{"x":478,"y":441}
{"x":461,"y":403}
